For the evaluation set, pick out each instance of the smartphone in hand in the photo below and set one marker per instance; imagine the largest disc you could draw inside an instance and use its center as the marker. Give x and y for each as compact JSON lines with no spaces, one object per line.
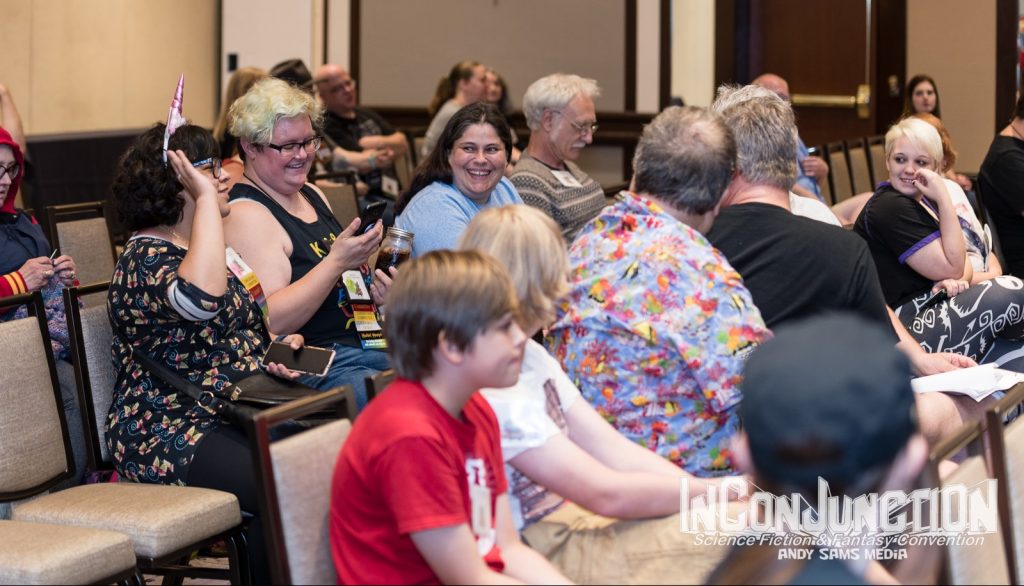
{"x":936,"y":298}
{"x":307,"y":359}
{"x":371,"y":215}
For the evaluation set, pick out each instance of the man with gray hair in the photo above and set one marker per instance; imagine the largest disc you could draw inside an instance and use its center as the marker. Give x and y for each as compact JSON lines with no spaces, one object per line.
{"x":657,"y":323}
{"x":560,"y":112}
{"x":797,"y":267}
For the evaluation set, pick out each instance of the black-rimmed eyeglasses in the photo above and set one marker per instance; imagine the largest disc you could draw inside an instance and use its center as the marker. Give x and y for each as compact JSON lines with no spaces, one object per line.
{"x":291,"y":149}
{"x":13,"y":170}
{"x":213,"y":162}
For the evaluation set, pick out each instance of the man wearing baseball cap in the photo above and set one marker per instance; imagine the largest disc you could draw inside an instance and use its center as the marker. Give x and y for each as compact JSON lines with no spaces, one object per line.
{"x":810,"y":411}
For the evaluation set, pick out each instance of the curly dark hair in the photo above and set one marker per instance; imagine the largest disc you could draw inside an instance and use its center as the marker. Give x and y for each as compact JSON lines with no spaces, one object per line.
{"x":146,"y":192}
{"x":436,"y":167}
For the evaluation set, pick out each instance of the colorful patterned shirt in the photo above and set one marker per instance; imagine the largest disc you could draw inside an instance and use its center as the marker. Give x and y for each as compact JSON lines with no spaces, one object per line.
{"x":655,"y":332}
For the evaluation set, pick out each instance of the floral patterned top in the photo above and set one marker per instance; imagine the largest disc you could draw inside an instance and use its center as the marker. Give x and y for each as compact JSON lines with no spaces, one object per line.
{"x":655,"y":332}
{"x":152,"y":431}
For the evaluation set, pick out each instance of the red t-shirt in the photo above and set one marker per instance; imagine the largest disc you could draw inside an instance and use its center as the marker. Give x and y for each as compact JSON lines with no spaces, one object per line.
{"x":408,"y":466}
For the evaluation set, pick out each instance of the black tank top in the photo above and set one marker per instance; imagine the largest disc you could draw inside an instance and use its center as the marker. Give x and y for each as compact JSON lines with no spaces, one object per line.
{"x":310,"y":243}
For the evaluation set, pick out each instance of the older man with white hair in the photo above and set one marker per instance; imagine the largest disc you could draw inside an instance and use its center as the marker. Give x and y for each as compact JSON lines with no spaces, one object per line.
{"x":559,"y":110}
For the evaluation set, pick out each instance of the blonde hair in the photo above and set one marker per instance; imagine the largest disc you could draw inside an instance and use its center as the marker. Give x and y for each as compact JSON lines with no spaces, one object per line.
{"x":530,"y":245}
{"x":460,"y":293}
{"x":253,"y":116}
{"x":240,"y":82}
{"x":920,"y":134}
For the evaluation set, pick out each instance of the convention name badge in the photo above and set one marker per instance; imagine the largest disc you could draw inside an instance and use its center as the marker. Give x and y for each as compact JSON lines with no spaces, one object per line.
{"x":566,"y":178}
{"x":250,"y":281}
{"x":364,"y":313}
{"x":389,"y":185}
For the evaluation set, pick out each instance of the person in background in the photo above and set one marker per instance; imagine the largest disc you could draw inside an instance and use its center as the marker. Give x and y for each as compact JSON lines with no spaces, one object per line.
{"x":27,"y":264}
{"x":657,"y":323}
{"x":462,"y":176}
{"x":241,"y":80}
{"x":922,"y":97}
{"x":812,"y":168}
{"x":359,"y":138}
{"x":283,"y":227}
{"x":582,"y":494}
{"x":1002,"y":182}
{"x":465,"y":84}
{"x":811,"y":412}
{"x":560,"y":112}
{"x":419,"y":494}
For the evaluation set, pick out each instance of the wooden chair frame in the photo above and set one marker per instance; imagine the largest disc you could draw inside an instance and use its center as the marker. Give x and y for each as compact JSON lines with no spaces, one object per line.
{"x":260,"y":430}
{"x":377,"y":383}
{"x":77,"y":211}
{"x":996,"y":442}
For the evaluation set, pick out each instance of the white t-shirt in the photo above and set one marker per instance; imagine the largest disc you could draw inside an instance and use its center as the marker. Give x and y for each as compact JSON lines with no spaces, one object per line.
{"x":812,"y":208}
{"x":530,"y":413}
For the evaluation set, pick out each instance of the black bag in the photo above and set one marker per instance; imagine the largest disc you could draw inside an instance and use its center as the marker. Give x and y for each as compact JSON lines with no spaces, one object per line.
{"x":247,"y":397}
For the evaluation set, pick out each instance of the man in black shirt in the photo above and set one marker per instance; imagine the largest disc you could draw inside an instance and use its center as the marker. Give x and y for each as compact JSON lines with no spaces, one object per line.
{"x":358,"y":138}
{"x":793,"y":266}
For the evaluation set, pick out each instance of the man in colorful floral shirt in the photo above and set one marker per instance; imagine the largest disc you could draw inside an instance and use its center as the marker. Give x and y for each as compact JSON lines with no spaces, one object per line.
{"x":657,"y":324}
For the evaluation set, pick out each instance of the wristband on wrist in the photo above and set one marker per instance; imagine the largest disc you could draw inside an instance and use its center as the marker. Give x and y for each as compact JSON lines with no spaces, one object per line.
{"x":373,"y":162}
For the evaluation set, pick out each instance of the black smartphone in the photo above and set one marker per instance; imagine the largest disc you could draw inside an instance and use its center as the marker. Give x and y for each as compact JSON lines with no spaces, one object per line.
{"x":308,"y":359}
{"x":936,"y":298}
{"x":371,"y":215}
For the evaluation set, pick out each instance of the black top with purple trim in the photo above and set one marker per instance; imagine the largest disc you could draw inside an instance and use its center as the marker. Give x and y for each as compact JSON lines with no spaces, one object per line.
{"x":896,"y":226}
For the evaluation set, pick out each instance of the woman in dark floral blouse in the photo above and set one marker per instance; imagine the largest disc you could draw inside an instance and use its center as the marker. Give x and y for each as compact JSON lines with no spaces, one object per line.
{"x":178,"y":296}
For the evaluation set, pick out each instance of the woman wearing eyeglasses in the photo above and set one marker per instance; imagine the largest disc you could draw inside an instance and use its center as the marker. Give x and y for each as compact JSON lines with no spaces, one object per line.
{"x":27,"y":264}
{"x":283,"y":227}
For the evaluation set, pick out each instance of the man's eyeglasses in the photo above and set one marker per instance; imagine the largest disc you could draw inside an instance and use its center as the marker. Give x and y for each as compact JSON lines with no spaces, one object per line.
{"x":292,"y":148}
{"x":13,"y":170}
{"x":580,"y":127}
{"x":213,"y":162}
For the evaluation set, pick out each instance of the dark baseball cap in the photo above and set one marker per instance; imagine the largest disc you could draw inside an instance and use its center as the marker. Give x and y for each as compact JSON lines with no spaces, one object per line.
{"x":828,"y":396}
{"x":295,"y":72}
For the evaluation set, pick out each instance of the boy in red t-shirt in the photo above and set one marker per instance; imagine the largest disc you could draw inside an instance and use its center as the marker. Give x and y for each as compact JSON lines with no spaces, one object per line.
{"x":419,"y":493}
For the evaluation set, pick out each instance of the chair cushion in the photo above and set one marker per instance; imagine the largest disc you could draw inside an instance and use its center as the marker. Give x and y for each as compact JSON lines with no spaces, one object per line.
{"x":34,"y":553}
{"x":159,"y":519}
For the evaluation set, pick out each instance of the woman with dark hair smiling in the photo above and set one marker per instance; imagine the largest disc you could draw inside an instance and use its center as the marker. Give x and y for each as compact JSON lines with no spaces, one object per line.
{"x":462,"y":176}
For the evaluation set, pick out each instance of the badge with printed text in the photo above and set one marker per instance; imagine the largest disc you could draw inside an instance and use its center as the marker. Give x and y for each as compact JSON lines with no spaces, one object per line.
{"x":389,"y":185}
{"x":566,"y":179}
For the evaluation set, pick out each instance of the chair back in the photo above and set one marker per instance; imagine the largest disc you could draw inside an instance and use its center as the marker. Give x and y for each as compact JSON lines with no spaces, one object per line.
{"x":985,"y":563}
{"x":984,"y":216}
{"x":838,"y":172}
{"x":404,"y":168}
{"x":1007,"y":445}
{"x":295,"y":476}
{"x":876,"y":148}
{"x":342,"y":199}
{"x":95,"y":377}
{"x":378,"y":382}
{"x":860,"y":165}
{"x":81,"y":231}
{"x":36,"y":447}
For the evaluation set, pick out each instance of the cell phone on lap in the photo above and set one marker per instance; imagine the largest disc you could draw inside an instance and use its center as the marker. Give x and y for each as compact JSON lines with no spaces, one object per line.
{"x":936,"y":298}
{"x":307,"y":359}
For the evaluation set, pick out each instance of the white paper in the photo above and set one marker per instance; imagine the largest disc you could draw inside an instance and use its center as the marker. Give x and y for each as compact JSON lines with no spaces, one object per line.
{"x":976,"y":382}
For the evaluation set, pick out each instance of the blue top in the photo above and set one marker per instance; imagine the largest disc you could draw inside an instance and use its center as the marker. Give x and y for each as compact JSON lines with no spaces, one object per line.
{"x":439,"y":213}
{"x":805,"y":181}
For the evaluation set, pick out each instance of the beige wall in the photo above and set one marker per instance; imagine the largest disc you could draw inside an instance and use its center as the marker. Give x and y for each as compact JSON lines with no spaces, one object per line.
{"x":954,"y":42}
{"x":693,"y":51}
{"x":85,"y":65}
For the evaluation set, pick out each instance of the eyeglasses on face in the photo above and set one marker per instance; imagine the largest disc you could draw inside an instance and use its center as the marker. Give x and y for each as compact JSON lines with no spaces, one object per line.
{"x":292,"y":148}
{"x":580,"y":127}
{"x":13,"y":170}
{"x":213,"y":162}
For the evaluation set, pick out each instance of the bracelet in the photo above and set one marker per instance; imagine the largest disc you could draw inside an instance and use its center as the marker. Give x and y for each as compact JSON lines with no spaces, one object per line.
{"x":373,"y":162}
